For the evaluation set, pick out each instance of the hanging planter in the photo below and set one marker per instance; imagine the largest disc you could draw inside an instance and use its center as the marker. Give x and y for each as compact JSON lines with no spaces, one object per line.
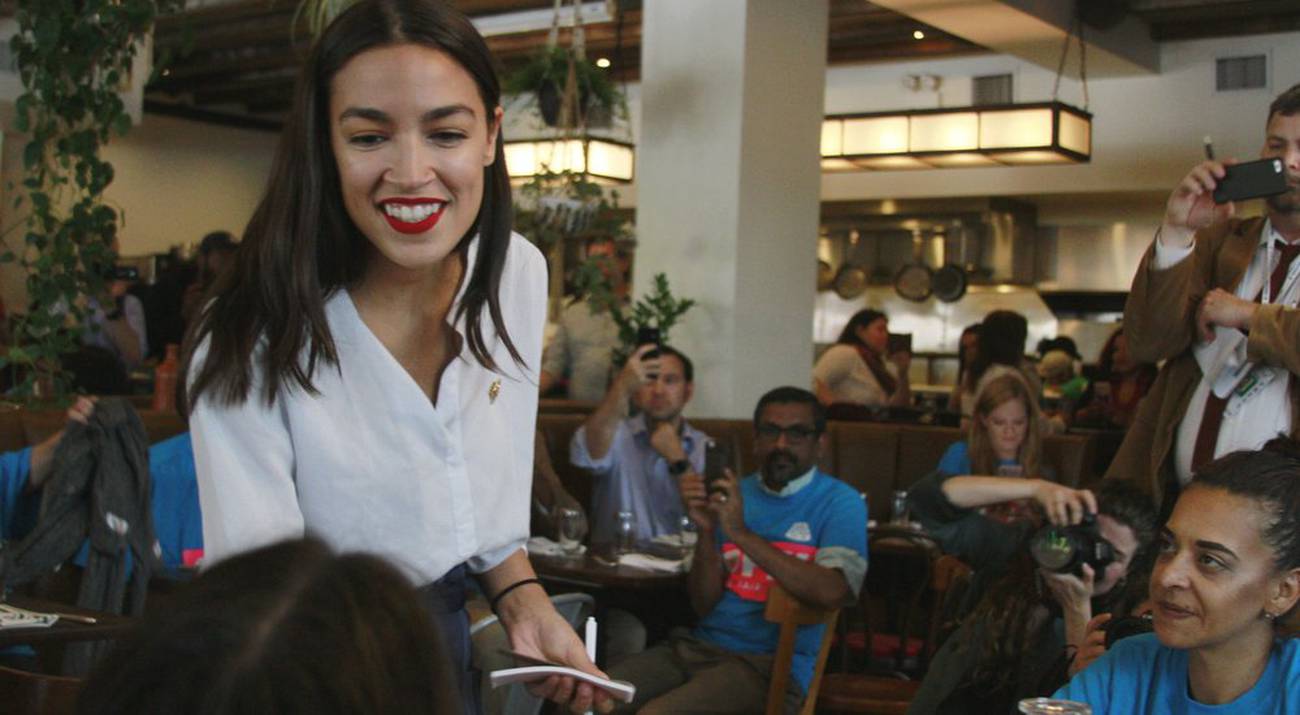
{"x":565,"y":87}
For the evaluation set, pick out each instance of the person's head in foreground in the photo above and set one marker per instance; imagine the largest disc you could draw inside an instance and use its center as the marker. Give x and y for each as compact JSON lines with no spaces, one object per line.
{"x":1227,"y":572}
{"x":288,"y":628}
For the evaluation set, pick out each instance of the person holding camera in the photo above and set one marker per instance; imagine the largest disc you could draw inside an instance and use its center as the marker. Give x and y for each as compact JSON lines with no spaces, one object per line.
{"x":854,"y":371}
{"x":790,"y":523}
{"x":1215,"y":297}
{"x":1225,"y":583}
{"x":1035,"y":589}
{"x":637,"y":461}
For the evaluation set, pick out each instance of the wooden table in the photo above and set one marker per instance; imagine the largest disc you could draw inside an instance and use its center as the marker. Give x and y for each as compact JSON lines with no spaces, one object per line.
{"x":591,"y":572}
{"x":108,"y":626}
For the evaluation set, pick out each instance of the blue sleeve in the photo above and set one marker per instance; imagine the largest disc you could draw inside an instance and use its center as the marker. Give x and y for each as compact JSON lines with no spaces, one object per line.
{"x":177,"y":519}
{"x":17,"y":510}
{"x":846,"y":522}
{"x":956,"y":460}
{"x":580,"y":456}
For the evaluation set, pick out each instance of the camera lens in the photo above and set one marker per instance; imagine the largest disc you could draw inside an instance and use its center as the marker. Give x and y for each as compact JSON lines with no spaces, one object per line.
{"x":1054,"y":549}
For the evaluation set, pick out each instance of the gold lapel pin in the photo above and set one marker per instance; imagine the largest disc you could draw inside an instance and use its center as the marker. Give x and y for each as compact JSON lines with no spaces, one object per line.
{"x":493,"y":391}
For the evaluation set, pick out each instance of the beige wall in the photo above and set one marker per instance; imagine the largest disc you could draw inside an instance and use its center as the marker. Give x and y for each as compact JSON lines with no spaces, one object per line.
{"x":175,"y":180}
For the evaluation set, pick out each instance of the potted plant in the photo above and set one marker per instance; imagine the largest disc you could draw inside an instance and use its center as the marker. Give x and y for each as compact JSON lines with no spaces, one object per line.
{"x":74,"y":57}
{"x":566,"y":87}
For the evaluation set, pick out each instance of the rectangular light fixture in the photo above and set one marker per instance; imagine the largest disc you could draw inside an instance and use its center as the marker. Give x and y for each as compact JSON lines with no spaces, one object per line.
{"x":597,"y":157}
{"x":995,"y":135}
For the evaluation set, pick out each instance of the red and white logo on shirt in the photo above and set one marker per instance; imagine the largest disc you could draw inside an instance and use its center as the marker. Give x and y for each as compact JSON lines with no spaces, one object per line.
{"x":747,"y":579}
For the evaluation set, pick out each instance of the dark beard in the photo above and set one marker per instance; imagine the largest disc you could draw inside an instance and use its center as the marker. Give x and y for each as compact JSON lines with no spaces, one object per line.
{"x":775,"y":475}
{"x":1285,"y":203}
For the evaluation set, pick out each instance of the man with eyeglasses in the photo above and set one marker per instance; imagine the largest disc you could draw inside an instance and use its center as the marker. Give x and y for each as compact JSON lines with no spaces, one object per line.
{"x":790,"y":523}
{"x":636,"y":461}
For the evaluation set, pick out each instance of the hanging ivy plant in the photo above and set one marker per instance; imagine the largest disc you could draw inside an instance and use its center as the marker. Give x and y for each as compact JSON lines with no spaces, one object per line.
{"x":74,"y":57}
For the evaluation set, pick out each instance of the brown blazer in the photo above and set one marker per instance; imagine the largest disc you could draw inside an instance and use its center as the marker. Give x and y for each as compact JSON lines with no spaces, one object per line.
{"x":1160,"y":324}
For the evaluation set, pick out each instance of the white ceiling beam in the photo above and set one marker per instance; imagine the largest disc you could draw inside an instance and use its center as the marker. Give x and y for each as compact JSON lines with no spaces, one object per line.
{"x":1035,"y":30}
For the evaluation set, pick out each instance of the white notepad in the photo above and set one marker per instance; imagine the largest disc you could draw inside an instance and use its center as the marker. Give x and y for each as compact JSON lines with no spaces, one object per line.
{"x":617,"y":689}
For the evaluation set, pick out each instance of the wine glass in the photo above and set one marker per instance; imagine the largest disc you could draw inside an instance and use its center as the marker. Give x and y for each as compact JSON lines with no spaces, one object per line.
{"x":571,"y":528}
{"x":625,"y":533}
{"x":688,"y":534}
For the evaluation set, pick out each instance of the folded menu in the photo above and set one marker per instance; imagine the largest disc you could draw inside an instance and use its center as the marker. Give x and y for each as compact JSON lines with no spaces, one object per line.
{"x":12,"y":617}
{"x":617,"y":689}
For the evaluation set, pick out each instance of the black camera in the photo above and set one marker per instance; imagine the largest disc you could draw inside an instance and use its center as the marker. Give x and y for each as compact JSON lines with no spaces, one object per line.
{"x":1118,"y":628}
{"x":1065,"y":549}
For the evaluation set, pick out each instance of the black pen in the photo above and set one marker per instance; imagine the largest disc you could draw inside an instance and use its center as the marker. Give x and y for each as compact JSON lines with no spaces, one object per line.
{"x":1209,"y":148}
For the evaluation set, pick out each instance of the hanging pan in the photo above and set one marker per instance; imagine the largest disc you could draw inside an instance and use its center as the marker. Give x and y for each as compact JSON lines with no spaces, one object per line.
{"x":950,"y":281}
{"x":915,"y":280}
{"x":850,"y":282}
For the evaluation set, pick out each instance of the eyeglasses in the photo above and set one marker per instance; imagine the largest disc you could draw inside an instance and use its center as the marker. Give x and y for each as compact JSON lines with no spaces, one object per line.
{"x":795,"y":434}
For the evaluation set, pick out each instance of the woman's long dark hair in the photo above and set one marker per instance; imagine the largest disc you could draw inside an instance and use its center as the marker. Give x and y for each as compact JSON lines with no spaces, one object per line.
{"x":1002,"y":342}
{"x":1004,"y":615}
{"x":300,"y":245}
{"x":860,"y":319}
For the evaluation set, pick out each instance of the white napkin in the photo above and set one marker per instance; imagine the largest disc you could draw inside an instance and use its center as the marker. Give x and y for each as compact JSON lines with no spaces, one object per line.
{"x":542,"y":546}
{"x":653,"y":563}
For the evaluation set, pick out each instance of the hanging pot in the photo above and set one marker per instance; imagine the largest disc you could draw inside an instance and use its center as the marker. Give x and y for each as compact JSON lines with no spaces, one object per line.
{"x":850,"y":282}
{"x":914,"y":281}
{"x":548,"y":102}
{"x":949,"y":283}
{"x":825,"y":275}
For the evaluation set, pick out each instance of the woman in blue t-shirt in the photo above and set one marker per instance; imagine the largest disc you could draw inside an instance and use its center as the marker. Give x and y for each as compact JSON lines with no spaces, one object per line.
{"x":1004,"y":440}
{"x":1227,"y":574}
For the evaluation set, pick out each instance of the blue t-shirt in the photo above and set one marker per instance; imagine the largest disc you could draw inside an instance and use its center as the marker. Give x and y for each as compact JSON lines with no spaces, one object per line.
{"x":17,"y":510}
{"x":1139,"y":676}
{"x":955,"y":462}
{"x":825,"y":516}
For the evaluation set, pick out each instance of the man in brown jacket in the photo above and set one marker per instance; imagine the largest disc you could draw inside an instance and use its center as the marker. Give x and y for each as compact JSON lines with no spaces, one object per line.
{"x":1216,"y":297}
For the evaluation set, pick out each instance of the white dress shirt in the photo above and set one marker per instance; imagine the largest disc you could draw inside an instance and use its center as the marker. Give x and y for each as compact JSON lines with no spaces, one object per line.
{"x":369,"y":463}
{"x":1251,"y":419}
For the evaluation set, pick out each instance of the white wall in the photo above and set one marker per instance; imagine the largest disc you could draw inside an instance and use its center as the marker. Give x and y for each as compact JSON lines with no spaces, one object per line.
{"x":176,"y":180}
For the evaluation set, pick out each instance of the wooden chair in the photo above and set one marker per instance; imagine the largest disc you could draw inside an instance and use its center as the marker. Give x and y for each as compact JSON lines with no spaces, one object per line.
{"x":791,"y":613}
{"x":890,"y":693}
{"x":26,"y":693}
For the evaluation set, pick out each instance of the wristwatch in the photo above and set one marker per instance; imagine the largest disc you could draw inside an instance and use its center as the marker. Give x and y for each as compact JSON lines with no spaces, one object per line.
{"x":679,"y":467}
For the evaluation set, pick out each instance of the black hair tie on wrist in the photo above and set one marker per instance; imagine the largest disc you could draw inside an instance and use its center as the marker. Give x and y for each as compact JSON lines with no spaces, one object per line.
{"x":497,"y":598}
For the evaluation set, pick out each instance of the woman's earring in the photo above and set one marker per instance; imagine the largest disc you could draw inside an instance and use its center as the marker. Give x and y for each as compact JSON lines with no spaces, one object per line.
{"x":1270,"y":617}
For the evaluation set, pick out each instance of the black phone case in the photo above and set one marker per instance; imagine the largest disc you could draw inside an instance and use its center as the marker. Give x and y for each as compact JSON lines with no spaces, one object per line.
{"x":716,"y":458}
{"x":1251,"y":180}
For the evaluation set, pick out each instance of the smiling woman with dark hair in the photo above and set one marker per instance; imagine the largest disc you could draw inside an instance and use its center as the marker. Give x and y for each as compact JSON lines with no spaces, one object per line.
{"x":368,"y":372}
{"x":1228,"y":571}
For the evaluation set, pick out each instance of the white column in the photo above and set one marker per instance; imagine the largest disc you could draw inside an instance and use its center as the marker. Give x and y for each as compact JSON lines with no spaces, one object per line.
{"x":728,"y":182}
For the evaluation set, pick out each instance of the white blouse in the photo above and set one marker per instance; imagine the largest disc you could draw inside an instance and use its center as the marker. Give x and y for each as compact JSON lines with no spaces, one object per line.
{"x":843,"y":371}
{"x":370,"y":463}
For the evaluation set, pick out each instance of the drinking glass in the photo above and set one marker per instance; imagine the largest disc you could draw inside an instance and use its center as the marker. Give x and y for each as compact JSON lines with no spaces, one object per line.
{"x":625,"y":533}
{"x":571,"y":528}
{"x":1047,"y":706}
{"x":899,"y":513}
{"x":688,"y":534}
